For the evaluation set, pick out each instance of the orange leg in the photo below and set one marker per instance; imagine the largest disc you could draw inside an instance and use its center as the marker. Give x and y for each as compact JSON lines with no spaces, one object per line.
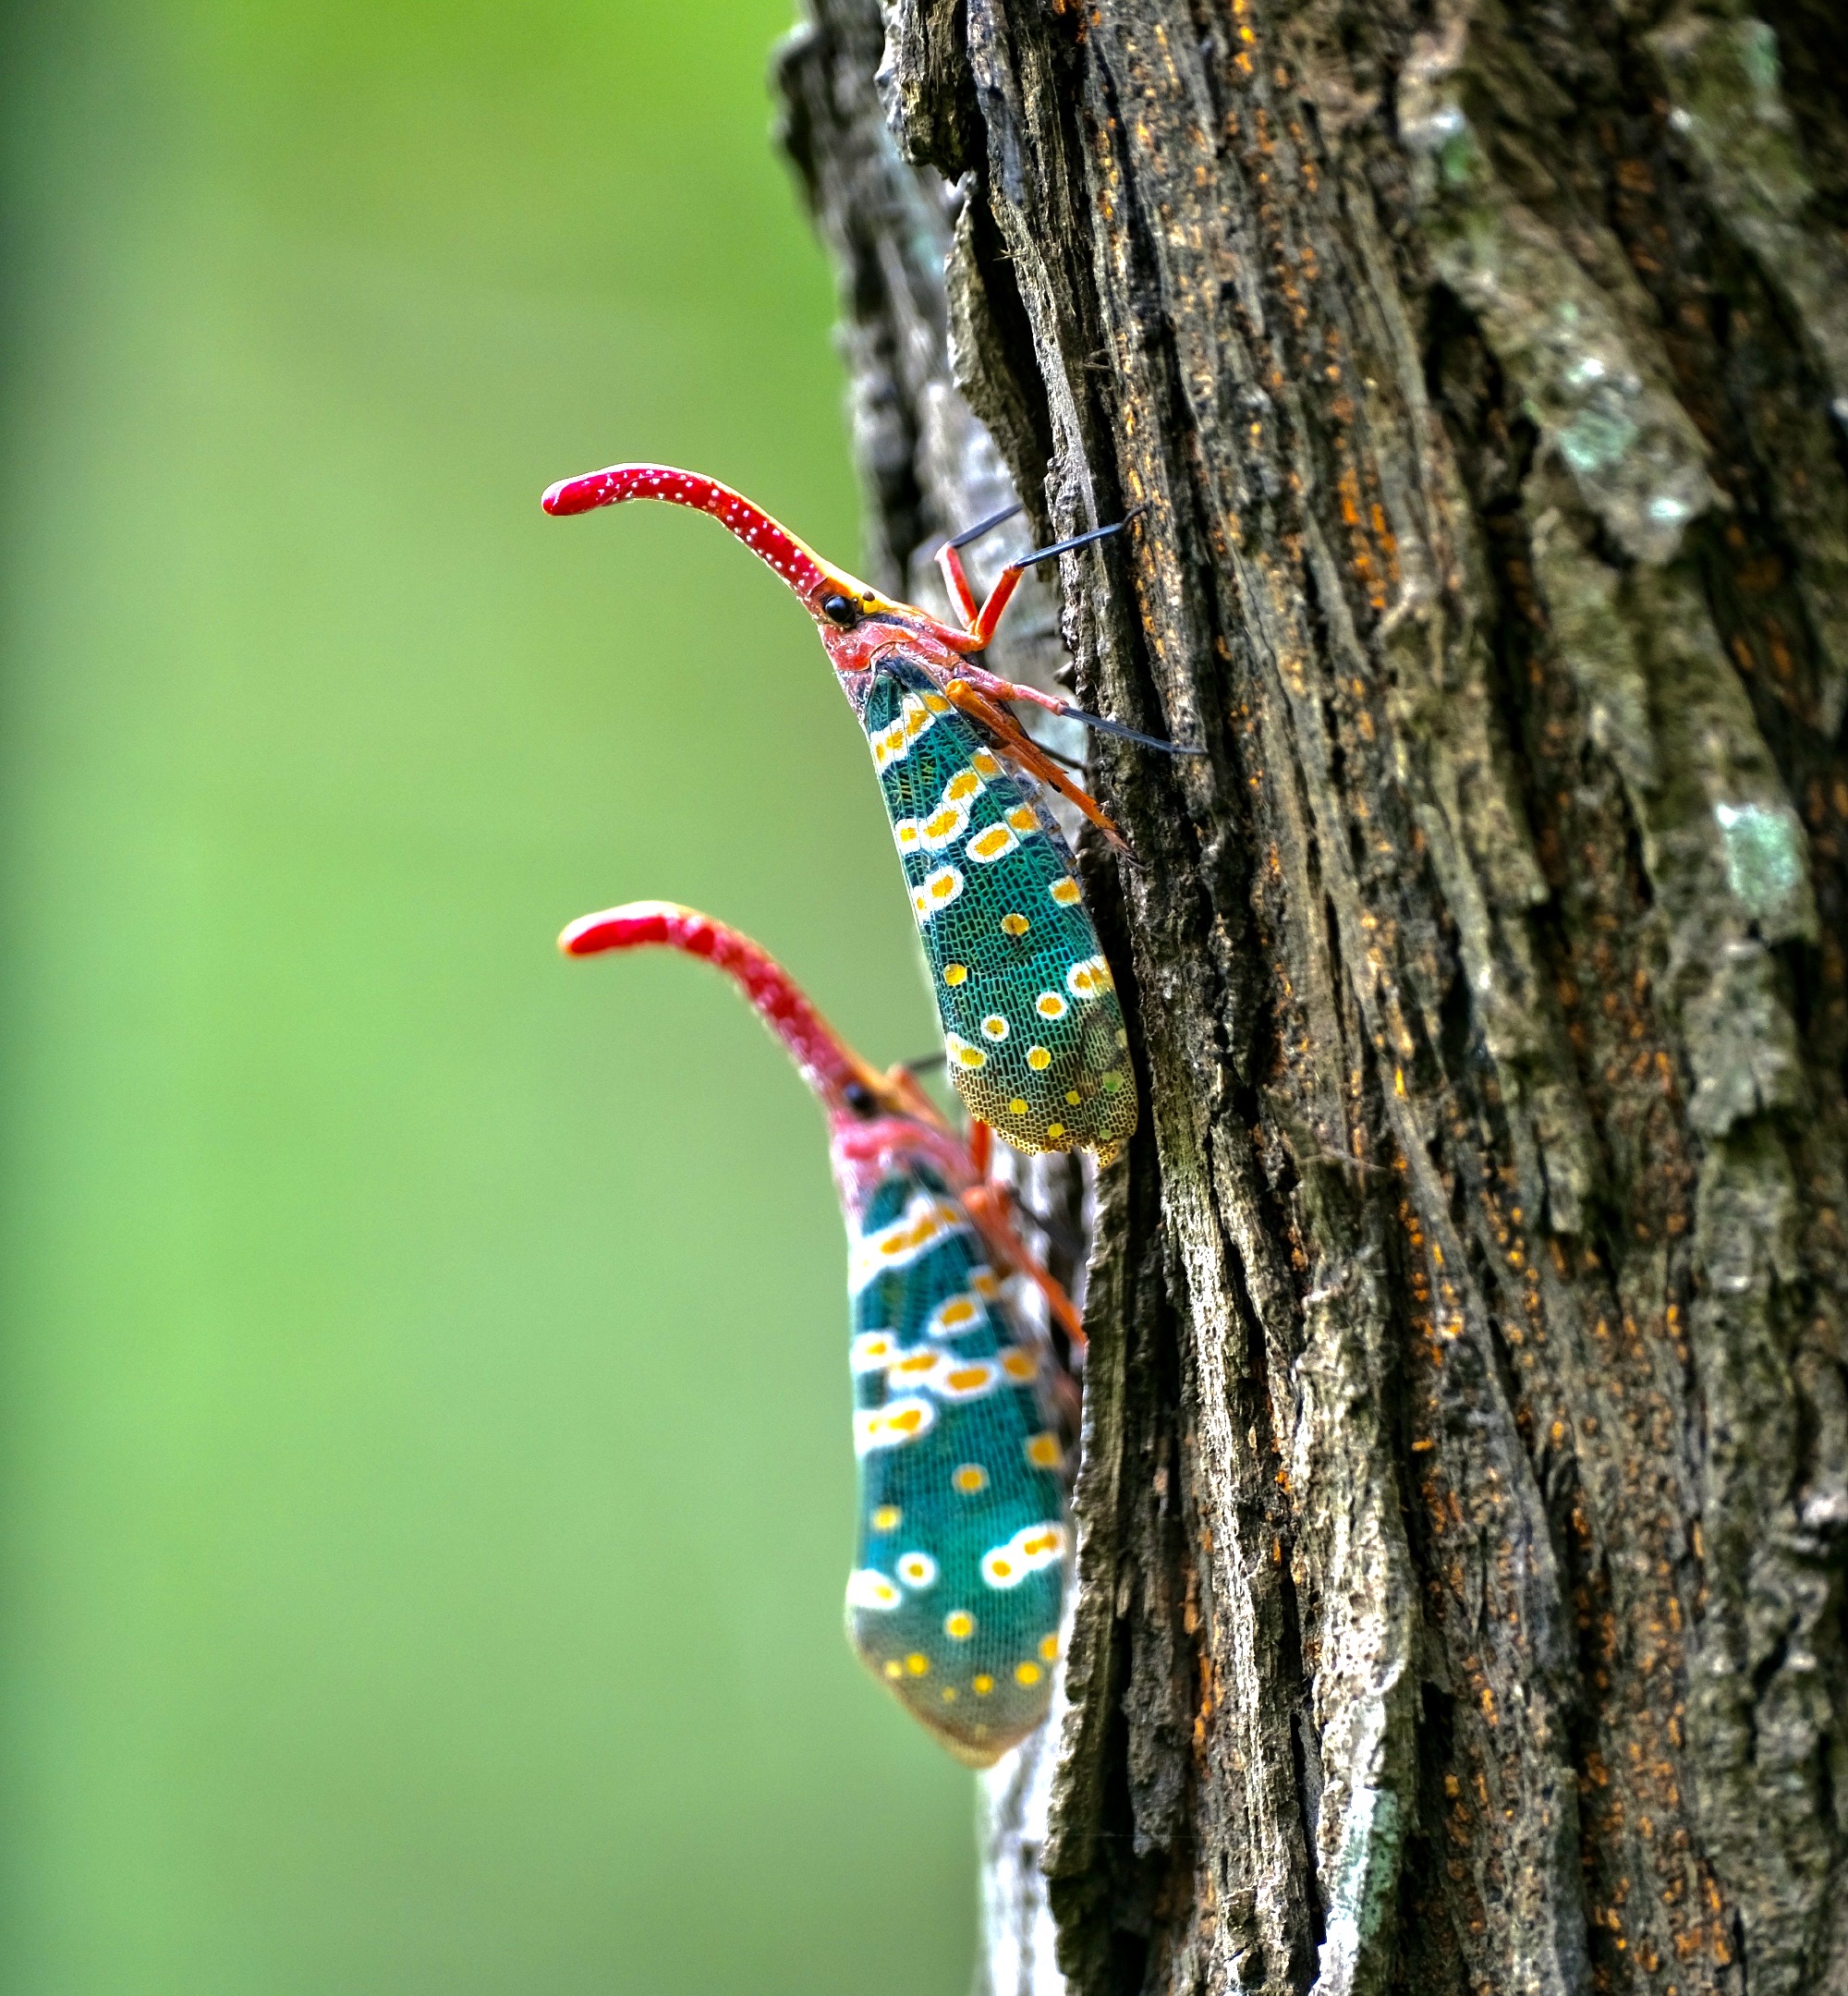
{"x":991,"y":1206}
{"x":980,"y":624}
{"x":961,"y":597}
{"x":988,"y":1207}
{"x":949,"y":560}
{"x":1019,"y":747}
{"x":984,"y":621}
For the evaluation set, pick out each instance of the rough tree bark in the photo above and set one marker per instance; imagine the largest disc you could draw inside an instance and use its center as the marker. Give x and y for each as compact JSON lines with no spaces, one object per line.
{"x":1464,"y":1489}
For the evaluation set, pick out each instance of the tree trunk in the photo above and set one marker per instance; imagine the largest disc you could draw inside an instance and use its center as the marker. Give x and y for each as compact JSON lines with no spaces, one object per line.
{"x":1465,"y":1481}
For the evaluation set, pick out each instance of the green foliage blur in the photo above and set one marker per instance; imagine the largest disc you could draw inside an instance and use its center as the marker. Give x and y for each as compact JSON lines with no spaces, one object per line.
{"x":425,"y":1491}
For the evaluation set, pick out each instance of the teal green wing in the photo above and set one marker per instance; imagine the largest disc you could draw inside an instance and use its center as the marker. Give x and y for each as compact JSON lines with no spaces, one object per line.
{"x":960,"y":1558}
{"x":1031,"y":1024}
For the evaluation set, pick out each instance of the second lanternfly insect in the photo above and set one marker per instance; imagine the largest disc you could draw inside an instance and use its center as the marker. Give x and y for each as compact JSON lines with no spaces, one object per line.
{"x":958,"y":1579}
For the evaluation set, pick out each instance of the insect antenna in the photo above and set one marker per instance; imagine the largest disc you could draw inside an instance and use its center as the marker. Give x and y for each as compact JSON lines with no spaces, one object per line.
{"x":1129,"y":734}
{"x":983,"y":527}
{"x":1077,"y":541}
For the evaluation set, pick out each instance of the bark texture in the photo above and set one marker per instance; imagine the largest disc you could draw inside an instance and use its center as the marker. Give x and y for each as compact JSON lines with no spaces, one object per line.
{"x":1464,"y":1492}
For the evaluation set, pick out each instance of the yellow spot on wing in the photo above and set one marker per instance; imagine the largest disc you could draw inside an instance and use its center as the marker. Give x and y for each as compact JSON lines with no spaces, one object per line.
{"x":953,"y":1316}
{"x":954,"y":973}
{"x":892,"y":1425}
{"x":969,"y":1380}
{"x":936,"y":890}
{"x":1027,"y":1673}
{"x":1015,"y":925}
{"x":872,"y":1351}
{"x":1038,"y":1058}
{"x":867,"y":1589}
{"x":991,"y":845}
{"x":1087,"y":979}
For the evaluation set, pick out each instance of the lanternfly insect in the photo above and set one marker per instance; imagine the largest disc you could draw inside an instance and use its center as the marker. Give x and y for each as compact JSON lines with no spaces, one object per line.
{"x":962,"y":1538}
{"x":1032,"y":1030}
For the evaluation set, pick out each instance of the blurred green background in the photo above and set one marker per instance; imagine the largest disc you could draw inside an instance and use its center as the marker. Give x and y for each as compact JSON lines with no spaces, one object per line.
{"x":424,"y":1475}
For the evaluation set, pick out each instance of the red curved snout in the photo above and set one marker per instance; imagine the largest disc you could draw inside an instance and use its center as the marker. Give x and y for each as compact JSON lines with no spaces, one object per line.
{"x":773,"y":544}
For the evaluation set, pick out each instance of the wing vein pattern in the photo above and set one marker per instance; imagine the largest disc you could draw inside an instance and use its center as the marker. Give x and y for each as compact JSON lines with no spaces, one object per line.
{"x":959,"y":1567}
{"x":1031,"y":1024}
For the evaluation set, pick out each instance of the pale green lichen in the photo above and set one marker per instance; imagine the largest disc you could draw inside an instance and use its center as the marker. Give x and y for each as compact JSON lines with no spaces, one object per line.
{"x":1725,"y":89}
{"x":1360,"y":1614}
{"x":1767,"y":865}
{"x":1595,"y":439}
{"x":1723,"y":80}
{"x":1632,"y":449}
{"x":1361,"y":1888}
{"x":1729,"y":105}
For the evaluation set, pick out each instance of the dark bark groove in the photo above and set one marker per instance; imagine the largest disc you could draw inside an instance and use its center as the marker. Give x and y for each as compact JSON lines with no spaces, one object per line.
{"x":1466,"y":1469}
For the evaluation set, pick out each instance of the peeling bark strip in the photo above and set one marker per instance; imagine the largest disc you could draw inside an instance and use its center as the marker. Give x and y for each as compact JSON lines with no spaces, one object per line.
{"x":1465,"y":1477}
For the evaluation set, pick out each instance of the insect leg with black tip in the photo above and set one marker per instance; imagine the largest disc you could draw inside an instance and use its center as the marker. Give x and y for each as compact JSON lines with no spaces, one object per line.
{"x":981,"y":622}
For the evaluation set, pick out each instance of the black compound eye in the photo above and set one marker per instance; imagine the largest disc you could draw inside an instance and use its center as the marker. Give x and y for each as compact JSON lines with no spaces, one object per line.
{"x":860,"y":1098}
{"x":841,"y":610}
